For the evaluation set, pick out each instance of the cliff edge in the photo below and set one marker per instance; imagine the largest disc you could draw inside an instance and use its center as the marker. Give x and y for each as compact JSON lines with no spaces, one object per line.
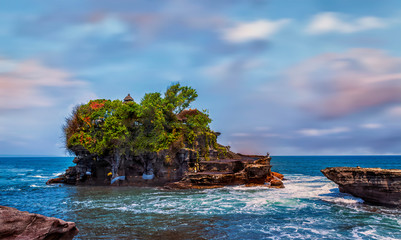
{"x":373,"y":185}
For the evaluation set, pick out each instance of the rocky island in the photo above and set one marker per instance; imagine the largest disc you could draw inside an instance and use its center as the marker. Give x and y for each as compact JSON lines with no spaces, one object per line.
{"x":157,"y":142}
{"x":373,"y":185}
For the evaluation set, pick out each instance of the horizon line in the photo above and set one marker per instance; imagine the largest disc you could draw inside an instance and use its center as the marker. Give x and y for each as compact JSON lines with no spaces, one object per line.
{"x":280,"y":155}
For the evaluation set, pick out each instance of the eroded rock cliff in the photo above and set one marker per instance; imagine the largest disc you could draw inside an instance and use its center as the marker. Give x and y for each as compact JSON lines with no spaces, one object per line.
{"x":373,"y":185}
{"x":183,"y":171}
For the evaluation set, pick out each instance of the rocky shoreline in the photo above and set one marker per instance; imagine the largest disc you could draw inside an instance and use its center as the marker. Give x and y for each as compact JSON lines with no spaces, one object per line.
{"x":373,"y":185}
{"x":15,"y":224}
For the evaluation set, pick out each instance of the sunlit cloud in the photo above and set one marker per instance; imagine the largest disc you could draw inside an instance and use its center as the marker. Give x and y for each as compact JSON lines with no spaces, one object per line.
{"x":337,"y":84}
{"x":330,"y":22}
{"x":27,"y":84}
{"x":257,"y":30}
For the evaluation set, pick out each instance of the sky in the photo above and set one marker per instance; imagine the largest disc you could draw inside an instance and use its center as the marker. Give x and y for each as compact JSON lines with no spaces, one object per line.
{"x":285,"y":77}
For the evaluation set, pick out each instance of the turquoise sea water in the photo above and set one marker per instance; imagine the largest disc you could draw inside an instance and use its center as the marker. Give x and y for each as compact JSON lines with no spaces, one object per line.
{"x":310,"y":207}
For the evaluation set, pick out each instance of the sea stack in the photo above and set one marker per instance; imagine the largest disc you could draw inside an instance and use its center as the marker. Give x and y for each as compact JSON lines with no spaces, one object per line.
{"x":373,"y":185}
{"x":158,"y":141}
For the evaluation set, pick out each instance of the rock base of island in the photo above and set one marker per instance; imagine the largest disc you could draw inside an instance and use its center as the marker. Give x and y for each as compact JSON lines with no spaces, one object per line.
{"x":184,"y":173}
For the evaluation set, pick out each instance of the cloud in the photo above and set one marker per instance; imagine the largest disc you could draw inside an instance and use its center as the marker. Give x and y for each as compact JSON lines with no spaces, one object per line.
{"x":30,"y":84}
{"x":395,"y":111}
{"x":231,"y":70}
{"x":371,"y":125}
{"x":250,"y":31}
{"x":262,"y":128}
{"x":240,"y":134}
{"x":312,"y":132}
{"x":329,"y":22}
{"x":105,"y":27}
{"x":338,"y":84}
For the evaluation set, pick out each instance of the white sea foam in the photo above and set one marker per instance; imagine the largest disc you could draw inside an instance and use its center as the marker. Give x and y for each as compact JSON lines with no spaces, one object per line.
{"x":39,"y":176}
{"x":12,"y":189}
{"x":56,"y":174}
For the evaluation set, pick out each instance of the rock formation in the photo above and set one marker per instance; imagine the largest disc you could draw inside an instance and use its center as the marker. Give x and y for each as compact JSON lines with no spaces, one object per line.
{"x":15,"y":224}
{"x":373,"y":185}
{"x":154,"y":142}
{"x":250,"y":170}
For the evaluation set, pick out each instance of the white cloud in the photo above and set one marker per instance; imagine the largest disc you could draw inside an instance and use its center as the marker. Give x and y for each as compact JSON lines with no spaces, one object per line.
{"x":338,"y":23}
{"x":257,"y":30}
{"x":321,"y":132}
{"x":371,"y":125}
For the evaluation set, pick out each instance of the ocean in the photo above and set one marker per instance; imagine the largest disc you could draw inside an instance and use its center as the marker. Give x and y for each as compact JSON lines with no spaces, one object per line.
{"x":309,"y":207}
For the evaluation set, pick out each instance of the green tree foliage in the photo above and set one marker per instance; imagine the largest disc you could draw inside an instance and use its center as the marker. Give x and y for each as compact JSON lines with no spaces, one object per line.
{"x":105,"y":127}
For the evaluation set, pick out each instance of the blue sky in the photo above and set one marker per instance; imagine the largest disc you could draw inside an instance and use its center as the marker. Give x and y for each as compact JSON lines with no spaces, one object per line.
{"x":288,"y":77}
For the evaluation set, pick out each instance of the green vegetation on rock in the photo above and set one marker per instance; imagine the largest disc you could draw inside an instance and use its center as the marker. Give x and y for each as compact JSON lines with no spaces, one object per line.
{"x":159,"y":122}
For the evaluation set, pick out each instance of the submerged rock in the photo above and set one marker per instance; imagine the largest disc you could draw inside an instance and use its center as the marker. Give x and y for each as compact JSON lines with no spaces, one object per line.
{"x":15,"y":224}
{"x":373,"y":185}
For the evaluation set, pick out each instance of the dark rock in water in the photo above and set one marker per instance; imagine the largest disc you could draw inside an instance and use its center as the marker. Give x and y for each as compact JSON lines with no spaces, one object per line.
{"x":55,"y":180}
{"x":15,"y":224}
{"x":373,"y":185}
{"x":276,"y":183}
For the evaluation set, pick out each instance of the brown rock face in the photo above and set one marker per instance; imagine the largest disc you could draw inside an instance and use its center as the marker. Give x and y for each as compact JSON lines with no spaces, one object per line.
{"x":15,"y":224}
{"x":251,"y":170}
{"x":278,"y":175}
{"x":373,"y":185}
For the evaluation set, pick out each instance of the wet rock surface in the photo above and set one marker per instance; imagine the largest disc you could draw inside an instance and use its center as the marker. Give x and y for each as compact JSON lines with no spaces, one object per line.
{"x":15,"y":224}
{"x":249,"y":170}
{"x":373,"y":185}
{"x":182,"y":172}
